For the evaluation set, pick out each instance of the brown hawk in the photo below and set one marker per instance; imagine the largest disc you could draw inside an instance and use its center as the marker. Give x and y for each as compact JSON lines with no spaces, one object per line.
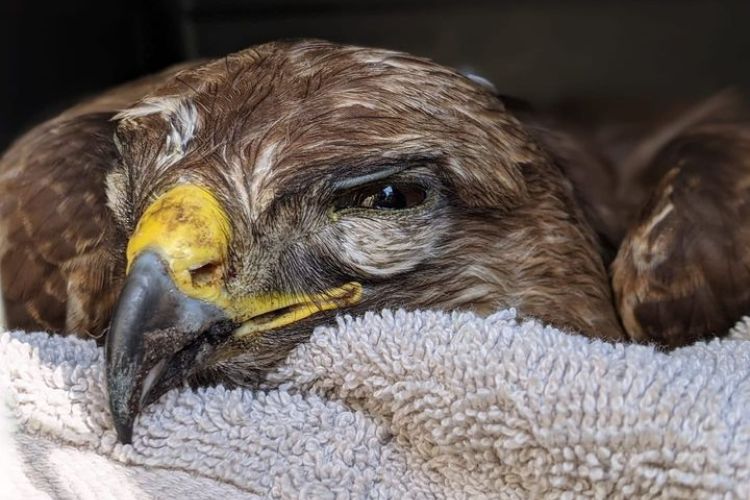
{"x":205,"y":219}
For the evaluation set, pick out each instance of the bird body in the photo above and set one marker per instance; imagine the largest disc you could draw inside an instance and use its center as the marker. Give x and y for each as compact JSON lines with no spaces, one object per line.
{"x":205,"y":219}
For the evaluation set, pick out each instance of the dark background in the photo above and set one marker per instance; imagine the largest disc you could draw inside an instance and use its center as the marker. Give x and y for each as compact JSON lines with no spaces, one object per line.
{"x":52,"y":53}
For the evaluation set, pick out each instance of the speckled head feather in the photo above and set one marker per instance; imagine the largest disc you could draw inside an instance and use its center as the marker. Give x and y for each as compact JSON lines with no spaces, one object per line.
{"x":279,"y":133}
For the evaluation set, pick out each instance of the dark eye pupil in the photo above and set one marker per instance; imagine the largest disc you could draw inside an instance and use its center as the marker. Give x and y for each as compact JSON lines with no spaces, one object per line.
{"x":390,"y":197}
{"x":383,"y":197}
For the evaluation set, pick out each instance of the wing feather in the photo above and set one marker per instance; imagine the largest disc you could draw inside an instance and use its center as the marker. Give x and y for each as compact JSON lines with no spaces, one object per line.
{"x":61,"y":258}
{"x":683,"y":271}
{"x":53,"y":211}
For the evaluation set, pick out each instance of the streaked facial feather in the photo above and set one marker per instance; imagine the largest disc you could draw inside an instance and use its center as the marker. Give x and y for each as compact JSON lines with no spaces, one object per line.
{"x":269,"y":130}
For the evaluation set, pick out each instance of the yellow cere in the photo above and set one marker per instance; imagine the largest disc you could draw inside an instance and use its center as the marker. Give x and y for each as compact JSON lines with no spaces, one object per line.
{"x":190,"y":230}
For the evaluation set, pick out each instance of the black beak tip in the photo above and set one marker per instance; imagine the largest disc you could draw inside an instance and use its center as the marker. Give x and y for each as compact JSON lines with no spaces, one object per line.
{"x":120,"y":403}
{"x":124,"y":431}
{"x":153,"y":321}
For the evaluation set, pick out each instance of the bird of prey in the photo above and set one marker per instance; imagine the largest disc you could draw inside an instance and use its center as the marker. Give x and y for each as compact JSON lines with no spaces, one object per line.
{"x":205,"y":219}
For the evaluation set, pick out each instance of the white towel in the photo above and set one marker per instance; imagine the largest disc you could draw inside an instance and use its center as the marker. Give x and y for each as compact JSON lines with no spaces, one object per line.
{"x":420,"y":404}
{"x":3,"y":323}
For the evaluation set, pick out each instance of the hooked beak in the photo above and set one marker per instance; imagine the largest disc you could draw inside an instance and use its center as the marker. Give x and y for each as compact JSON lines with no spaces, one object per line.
{"x":153,"y":321}
{"x":174,"y":310}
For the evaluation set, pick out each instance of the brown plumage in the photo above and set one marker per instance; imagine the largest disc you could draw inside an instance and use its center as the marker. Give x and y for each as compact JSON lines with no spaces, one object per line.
{"x":344,"y":96}
{"x":666,"y":191}
{"x":60,"y":260}
{"x":683,"y":270}
{"x":334,"y":167}
{"x":57,"y":270}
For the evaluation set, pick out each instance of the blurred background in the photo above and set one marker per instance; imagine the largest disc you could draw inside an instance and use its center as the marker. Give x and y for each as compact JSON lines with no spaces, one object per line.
{"x":576,"y":53}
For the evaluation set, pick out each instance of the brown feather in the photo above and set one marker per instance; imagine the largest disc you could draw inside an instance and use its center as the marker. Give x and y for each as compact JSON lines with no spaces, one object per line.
{"x":60,"y":254}
{"x":58,"y":222}
{"x":265,"y":130}
{"x":683,"y":271}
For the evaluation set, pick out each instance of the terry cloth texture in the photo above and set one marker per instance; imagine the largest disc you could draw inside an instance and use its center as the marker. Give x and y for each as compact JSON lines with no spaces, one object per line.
{"x":395,"y":405}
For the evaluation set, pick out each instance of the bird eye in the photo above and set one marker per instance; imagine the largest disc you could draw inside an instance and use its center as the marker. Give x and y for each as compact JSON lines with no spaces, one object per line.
{"x":384,"y":197}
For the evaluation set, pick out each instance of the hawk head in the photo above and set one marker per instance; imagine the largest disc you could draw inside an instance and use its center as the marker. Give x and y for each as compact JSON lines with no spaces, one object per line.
{"x":263,"y":193}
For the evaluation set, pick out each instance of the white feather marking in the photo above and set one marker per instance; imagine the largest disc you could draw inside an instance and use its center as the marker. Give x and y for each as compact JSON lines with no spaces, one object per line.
{"x":344,"y":101}
{"x":164,"y":105}
{"x":647,"y":250}
{"x":263,"y":162}
{"x":185,"y":122}
{"x":659,"y":217}
{"x":182,"y":117}
{"x":261,"y":172}
{"x":379,"y":57}
{"x":377,"y":263}
{"x":382,"y":248}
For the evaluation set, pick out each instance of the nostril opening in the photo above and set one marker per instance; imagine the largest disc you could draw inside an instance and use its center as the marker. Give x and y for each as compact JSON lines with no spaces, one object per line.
{"x":207,"y":274}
